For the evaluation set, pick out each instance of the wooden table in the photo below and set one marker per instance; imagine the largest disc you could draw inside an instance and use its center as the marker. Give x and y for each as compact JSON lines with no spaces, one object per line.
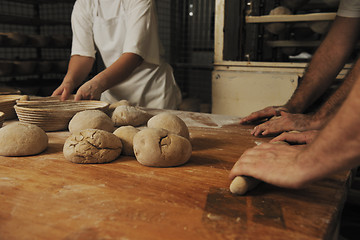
{"x":47,"y":197}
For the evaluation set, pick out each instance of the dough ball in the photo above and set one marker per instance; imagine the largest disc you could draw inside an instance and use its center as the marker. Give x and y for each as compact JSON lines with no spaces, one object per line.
{"x":128,"y":115}
{"x":119,"y":103}
{"x":320,"y":27}
{"x":92,"y":146}
{"x":126,"y":135}
{"x":155,"y":147}
{"x":22,"y":139}
{"x":91,"y":119}
{"x":277,"y":28}
{"x":170,"y":122}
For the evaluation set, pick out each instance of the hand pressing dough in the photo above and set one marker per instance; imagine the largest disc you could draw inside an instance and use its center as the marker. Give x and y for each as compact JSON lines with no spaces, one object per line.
{"x":155,"y":147}
{"x":128,"y":115}
{"x":22,"y":139}
{"x":91,"y":119}
{"x":170,"y":122}
{"x":241,"y":184}
{"x":126,"y":135}
{"x":92,"y":146}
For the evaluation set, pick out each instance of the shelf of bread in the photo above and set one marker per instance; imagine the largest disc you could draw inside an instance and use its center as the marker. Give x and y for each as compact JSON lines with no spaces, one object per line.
{"x":32,"y":67}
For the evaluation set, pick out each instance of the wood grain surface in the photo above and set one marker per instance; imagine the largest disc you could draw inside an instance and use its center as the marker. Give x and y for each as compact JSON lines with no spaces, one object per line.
{"x":47,"y":197}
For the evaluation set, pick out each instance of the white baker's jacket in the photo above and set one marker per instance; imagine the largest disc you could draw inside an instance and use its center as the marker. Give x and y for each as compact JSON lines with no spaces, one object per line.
{"x":114,"y":27}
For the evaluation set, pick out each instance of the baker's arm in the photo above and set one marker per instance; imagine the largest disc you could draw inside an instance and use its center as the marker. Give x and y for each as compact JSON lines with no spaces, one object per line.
{"x":78,"y":69}
{"x":118,"y":72}
{"x":326,"y":63}
{"x":336,"y":148}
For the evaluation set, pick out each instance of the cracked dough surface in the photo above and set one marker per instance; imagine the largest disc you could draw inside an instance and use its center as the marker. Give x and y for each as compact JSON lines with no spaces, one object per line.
{"x":156,"y":147}
{"x":92,"y":146}
{"x":91,"y":119}
{"x":169,"y":122}
{"x":22,"y":139}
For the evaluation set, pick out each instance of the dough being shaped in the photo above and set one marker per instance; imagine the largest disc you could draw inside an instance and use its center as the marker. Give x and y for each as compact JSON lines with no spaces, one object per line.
{"x":126,"y":135}
{"x":91,"y":119}
{"x":155,"y":147}
{"x":22,"y":139}
{"x":92,"y":146}
{"x":128,"y":115}
{"x":170,"y":122}
{"x":119,"y":103}
{"x":241,"y":184}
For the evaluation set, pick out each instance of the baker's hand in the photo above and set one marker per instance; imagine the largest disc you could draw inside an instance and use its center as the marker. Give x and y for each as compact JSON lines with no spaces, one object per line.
{"x":90,"y":90}
{"x":264,"y":113}
{"x":287,"y":122}
{"x":276,"y":164}
{"x":64,"y":90}
{"x":297,"y":137}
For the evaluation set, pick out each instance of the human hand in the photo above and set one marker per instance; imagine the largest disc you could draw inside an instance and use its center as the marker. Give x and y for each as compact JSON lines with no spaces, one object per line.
{"x":64,"y":90}
{"x":297,"y":137}
{"x":264,"y":113}
{"x":276,"y":164}
{"x":90,"y":90}
{"x":287,"y":122}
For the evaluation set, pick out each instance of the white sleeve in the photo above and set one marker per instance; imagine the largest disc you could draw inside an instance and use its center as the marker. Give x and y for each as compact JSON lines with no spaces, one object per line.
{"x":142,"y":31}
{"x":81,"y":24}
{"x":349,"y":8}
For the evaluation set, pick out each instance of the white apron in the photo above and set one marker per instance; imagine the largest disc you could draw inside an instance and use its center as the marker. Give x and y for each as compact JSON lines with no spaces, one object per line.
{"x":149,"y":85}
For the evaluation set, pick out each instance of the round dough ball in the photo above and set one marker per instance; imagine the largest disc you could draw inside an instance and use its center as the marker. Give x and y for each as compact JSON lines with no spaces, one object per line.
{"x":92,"y":146}
{"x":22,"y":139}
{"x":155,"y":147}
{"x":91,"y":119}
{"x":119,"y":103}
{"x":320,"y":27}
{"x":126,"y":135}
{"x":170,"y":122}
{"x":277,"y":28}
{"x":128,"y":115}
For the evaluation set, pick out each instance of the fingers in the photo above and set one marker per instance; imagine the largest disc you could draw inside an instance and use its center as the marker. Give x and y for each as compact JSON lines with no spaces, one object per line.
{"x":291,"y":137}
{"x":266,"y":129}
{"x":264,"y":113}
{"x":57,"y":92}
{"x":65,"y":94}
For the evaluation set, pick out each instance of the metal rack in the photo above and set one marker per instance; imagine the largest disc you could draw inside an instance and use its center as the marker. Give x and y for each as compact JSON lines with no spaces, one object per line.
{"x":254,"y":67}
{"x":35,"y":41}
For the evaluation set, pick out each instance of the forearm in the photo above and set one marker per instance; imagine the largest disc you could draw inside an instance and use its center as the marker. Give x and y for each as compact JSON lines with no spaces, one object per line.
{"x":330,"y":107}
{"x":78,"y":69}
{"x":118,"y":72}
{"x":326,"y":63}
{"x":337,"y":147}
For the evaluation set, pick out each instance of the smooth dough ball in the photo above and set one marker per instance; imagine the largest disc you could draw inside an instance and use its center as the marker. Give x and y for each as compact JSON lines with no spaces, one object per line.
{"x":91,"y":119}
{"x":126,"y":135}
{"x":155,"y":147}
{"x":22,"y":139}
{"x":128,"y":115}
{"x":277,"y":28}
{"x":170,"y":122}
{"x":92,"y":146}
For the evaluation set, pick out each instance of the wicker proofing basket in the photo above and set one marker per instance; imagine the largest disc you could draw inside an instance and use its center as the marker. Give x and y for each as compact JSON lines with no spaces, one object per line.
{"x":2,"y":118}
{"x":7,"y":103}
{"x":54,"y":115}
